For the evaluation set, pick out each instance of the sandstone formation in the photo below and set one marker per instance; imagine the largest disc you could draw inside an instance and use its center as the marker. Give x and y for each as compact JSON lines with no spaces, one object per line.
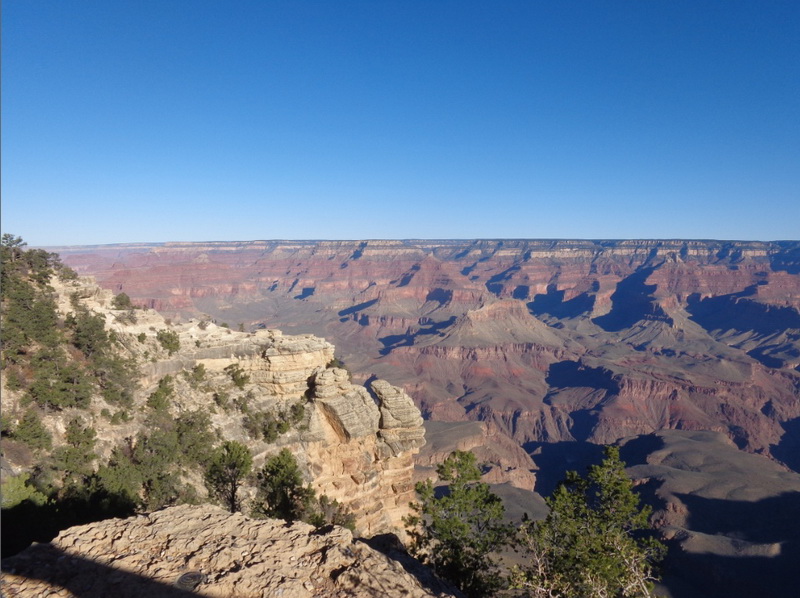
{"x":549,"y":341}
{"x":206,"y":551}
{"x":355,"y":445}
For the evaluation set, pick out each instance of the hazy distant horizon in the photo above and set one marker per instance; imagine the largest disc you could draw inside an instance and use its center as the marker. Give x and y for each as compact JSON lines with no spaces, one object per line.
{"x":431,"y":240}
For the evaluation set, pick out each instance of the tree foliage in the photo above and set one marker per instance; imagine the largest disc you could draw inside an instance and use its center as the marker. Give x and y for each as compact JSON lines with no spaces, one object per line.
{"x":227,"y":469}
{"x":281,"y":493}
{"x":76,"y":456}
{"x":169,"y":340}
{"x":238,"y":377}
{"x":270,"y":426}
{"x":456,"y":532}
{"x":121,"y":301}
{"x":57,"y":382}
{"x":38,"y":345}
{"x":159,"y":399}
{"x":594,"y":542}
{"x":32,"y":432}
{"x":15,"y":490}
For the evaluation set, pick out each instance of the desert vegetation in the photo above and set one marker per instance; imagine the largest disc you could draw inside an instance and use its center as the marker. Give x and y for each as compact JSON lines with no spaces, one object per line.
{"x":595,"y":542}
{"x":74,"y":365}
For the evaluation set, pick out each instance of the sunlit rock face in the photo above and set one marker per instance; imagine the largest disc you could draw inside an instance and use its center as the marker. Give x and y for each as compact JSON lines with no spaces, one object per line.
{"x":354,"y":443}
{"x":546,"y":340}
{"x":206,"y":551}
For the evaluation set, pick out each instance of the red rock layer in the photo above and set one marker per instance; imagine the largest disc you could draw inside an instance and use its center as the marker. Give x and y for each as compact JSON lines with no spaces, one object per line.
{"x":548,"y":340}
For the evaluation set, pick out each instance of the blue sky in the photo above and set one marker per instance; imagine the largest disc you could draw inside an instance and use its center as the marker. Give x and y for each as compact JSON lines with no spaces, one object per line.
{"x":191,"y":120}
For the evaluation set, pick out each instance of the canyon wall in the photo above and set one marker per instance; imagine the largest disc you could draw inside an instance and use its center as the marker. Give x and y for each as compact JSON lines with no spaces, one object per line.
{"x":354,"y":443}
{"x":547,"y":341}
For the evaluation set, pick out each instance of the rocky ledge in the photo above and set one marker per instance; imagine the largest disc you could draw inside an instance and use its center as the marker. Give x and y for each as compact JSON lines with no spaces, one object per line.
{"x":206,"y":551}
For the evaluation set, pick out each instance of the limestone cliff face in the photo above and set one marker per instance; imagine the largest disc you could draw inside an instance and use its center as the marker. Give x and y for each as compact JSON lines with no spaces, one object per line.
{"x":359,"y":444}
{"x":205,"y":551}
{"x":361,"y":450}
{"x":356,"y":444}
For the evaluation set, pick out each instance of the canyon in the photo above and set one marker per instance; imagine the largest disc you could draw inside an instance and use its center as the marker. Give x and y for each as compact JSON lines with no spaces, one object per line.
{"x":541,"y":340}
{"x":529,"y":353}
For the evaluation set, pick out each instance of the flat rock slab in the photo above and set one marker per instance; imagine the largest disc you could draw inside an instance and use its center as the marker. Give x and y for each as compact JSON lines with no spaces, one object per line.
{"x":206,"y":551}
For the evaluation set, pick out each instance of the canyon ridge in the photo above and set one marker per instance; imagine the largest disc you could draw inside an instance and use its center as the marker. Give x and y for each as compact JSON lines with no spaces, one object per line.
{"x":543,"y":341}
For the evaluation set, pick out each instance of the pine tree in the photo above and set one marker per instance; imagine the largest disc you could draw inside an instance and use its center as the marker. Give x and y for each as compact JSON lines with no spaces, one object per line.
{"x":456,"y":533}
{"x":594,"y":543}
{"x":281,"y":492}
{"x":228,"y":467}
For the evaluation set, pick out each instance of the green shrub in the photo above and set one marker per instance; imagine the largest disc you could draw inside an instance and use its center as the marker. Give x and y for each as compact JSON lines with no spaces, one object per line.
{"x":76,"y":457}
{"x":159,"y":399}
{"x":221,"y":398}
{"x":169,"y":340}
{"x":228,"y":466}
{"x":281,"y":492}
{"x":238,"y":377}
{"x":32,"y":432}
{"x":456,"y":533}
{"x":594,"y":541}
{"x":128,"y":317}
{"x":15,"y":490}
{"x":194,"y":434}
{"x":121,"y":301}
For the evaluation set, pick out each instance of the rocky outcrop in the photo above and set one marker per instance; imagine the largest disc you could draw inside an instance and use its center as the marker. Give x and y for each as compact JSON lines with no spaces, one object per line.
{"x":361,"y":453}
{"x":285,"y":365}
{"x":349,"y":409}
{"x":355,"y":445}
{"x":401,"y":422}
{"x":206,"y":551}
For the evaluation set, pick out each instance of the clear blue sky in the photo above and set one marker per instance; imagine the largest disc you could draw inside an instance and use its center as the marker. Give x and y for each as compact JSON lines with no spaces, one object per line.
{"x":187,"y":120}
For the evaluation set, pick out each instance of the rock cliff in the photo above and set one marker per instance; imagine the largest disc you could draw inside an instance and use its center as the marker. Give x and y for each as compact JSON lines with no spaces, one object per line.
{"x":355,"y":444}
{"x":205,"y":551}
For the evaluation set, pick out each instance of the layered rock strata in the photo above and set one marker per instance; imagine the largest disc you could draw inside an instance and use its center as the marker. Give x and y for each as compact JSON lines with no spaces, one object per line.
{"x":549,"y":340}
{"x":356,"y":445}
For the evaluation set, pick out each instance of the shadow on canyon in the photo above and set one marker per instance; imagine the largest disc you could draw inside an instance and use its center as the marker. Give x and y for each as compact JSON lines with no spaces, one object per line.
{"x":553,"y":304}
{"x":28,"y":522}
{"x":788,"y":449}
{"x":723,"y":561}
{"x":723,"y":549}
{"x":572,"y":374}
{"x":554,"y":459}
{"x":394,"y":341}
{"x":737,"y":312}
{"x":631,"y":302}
{"x":391,"y":546}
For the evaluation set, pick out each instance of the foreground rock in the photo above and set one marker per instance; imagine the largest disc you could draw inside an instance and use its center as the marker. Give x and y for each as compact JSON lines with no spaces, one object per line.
{"x":206,"y":551}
